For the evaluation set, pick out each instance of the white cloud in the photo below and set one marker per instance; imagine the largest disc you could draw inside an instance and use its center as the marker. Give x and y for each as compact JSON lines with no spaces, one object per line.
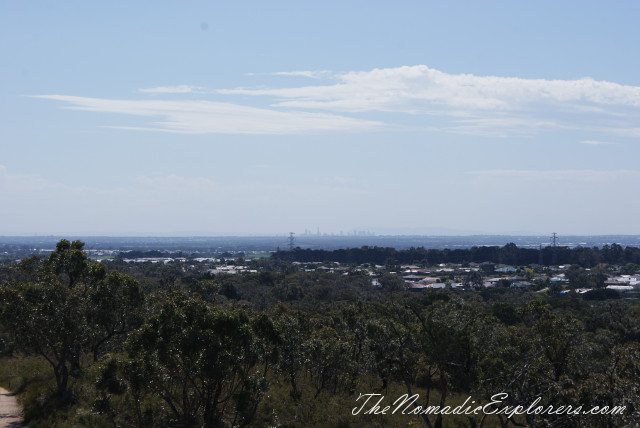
{"x":490,"y":101}
{"x":596,"y":143}
{"x":304,"y":73}
{"x":627,"y":132}
{"x":395,"y":89}
{"x":179,"y":89}
{"x":203,"y":117}
{"x":457,"y":103}
{"x":501,"y":125}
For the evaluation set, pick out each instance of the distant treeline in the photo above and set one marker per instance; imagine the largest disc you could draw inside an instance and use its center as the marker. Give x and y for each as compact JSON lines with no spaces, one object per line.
{"x":137,"y":254}
{"x":509,"y":254}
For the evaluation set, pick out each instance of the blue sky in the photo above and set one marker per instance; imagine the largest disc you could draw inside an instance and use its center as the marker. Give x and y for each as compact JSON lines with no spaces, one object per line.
{"x":253,"y":117}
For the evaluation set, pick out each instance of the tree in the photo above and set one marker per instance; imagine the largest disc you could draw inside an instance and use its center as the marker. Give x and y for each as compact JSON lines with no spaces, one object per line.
{"x":424,"y":348}
{"x":113,"y":308}
{"x":327,"y":359}
{"x":391,"y":282}
{"x":576,"y":276}
{"x":293,"y":330}
{"x":70,"y":307}
{"x":488,"y":268}
{"x":68,"y":262}
{"x":199,"y":360}
{"x":505,"y":312}
{"x":630,"y":269}
{"x":46,"y":319}
{"x":46,"y":316}
{"x":473,"y":280}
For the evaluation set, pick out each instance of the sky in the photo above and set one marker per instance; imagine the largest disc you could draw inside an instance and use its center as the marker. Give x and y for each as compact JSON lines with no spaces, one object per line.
{"x":154,"y":118}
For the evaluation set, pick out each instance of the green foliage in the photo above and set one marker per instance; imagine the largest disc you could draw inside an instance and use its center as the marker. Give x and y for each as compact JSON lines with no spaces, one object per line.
{"x":630,"y":269}
{"x":581,"y":278}
{"x":508,"y":254}
{"x":68,"y":262}
{"x":505,"y":312}
{"x":200,"y":361}
{"x":70,"y":308}
{"x":46,"y":319}
{"x":112,"y":309}
{"x":601,"y":294}
{"x":86,"y":345}
{"x":391,"y":282}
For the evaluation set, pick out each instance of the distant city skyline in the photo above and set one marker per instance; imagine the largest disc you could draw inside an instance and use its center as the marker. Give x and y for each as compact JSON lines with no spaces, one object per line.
{"x":262,"y":118}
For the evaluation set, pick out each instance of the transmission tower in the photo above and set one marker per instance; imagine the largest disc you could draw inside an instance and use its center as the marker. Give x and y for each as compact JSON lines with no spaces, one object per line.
{"x":555,"y":248}
{"x":292,"y":241}
{"x":540,"y":260}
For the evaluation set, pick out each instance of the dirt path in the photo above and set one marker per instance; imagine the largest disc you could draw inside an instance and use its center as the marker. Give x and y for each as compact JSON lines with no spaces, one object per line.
{"x":10,"y":412}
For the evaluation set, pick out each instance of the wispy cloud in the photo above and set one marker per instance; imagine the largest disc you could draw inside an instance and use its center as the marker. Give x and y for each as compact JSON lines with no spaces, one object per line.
{"x":178,"y":89}
{"x":626,"y":132}
{"x":420,"y":88}
{"x":203,"y":117}
{"x":456,"y":103}
{"x":312,"y":74}
{"x":596,"y":143}
{"x":304,"y":73}
{"x":485,"y":104}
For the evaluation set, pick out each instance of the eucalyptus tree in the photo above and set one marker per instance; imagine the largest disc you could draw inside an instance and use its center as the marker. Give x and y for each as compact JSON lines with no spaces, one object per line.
{"x":65,"y":306}
{"x":202,"y":362}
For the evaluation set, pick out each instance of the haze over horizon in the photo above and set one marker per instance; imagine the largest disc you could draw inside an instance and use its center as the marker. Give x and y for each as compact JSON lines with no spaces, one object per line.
{"x":253,"y":118}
